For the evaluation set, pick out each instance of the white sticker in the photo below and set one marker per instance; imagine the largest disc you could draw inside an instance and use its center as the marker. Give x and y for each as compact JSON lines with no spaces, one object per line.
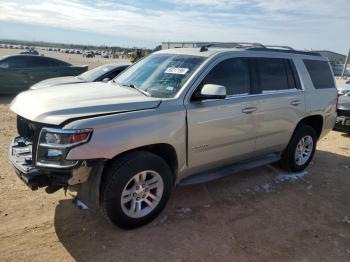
{"x":176,"y":70}
{"x":170,"y":88}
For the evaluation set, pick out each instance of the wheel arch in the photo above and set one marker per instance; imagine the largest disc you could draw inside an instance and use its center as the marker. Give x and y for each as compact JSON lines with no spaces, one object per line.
{"x":163,"y":150}
{"x":315,"y":121}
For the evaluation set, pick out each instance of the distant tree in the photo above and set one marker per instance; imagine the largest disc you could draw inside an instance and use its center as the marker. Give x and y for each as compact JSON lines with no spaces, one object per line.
{"x":157,"y":48}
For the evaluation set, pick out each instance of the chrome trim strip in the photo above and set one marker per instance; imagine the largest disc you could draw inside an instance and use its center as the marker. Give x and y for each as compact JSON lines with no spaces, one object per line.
{"x":57,"y":166}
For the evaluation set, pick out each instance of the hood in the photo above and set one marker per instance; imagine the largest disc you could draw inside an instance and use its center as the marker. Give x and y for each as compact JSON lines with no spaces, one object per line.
{"x":56,"y":81}
{"x":344,"y":103}
{"x":55,"y":105}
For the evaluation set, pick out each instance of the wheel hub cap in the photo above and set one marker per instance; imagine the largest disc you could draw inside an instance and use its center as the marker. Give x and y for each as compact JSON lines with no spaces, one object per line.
{"x":303,"y":150}
{"x":142,"y":194}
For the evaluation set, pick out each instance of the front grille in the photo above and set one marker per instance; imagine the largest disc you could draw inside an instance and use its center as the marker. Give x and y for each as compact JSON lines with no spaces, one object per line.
{"x":30,"y":130}
{"x":343,"y":112}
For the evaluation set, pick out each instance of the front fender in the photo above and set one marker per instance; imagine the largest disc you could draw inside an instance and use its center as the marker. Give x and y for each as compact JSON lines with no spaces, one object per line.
{"x":116,"y":134}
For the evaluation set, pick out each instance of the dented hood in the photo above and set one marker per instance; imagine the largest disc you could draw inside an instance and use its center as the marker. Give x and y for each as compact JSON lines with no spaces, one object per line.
{"x":54,"y":105}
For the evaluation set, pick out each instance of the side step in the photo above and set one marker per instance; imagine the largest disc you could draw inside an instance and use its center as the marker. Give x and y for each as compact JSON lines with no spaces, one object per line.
{"x":228,"y":170}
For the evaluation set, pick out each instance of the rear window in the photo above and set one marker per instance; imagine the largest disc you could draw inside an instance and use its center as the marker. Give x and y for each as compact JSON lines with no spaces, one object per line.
{"x":320,"y":73}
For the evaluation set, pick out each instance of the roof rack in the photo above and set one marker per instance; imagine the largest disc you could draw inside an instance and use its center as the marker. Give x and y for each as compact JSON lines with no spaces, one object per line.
{"x":257,"y":47}
{"x":231,"y":45}
{"x":280,"y":46}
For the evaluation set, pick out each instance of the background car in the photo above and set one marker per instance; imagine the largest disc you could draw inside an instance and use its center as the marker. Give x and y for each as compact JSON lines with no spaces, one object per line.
{"x":30,"y":52}
{"x":343,"y":109}
{"x":19,"y":72}
{"x":344,"y":88}
{"x":89,"y":54}
{"x":102,"y":73}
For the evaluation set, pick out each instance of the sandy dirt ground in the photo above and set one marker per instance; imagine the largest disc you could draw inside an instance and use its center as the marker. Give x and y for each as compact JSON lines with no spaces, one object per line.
{"x":258,"y":215}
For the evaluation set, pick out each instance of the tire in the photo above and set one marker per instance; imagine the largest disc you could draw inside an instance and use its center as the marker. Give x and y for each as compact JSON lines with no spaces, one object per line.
{"x":147,"y":199}
{"x":290,"y":161}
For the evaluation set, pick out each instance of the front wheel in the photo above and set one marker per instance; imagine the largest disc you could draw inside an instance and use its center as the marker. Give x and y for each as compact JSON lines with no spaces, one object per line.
{"x":135,"y":189}
{"x":300,"y":150}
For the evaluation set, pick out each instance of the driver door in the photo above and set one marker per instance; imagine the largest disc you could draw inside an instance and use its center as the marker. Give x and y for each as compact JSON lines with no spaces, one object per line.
{"x":221,"y":131}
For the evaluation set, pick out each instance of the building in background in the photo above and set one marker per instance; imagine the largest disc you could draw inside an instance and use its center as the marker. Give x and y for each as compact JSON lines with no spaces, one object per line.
{"x":337,"y":61}
{"x":333,"y":57}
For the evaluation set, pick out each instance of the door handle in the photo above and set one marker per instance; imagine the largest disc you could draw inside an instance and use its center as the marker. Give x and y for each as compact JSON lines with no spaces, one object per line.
{"x":249,"y":110}
{"x":295,"y":102}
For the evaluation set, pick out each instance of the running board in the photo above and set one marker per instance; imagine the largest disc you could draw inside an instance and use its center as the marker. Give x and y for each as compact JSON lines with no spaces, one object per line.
{"x":228,"y":170}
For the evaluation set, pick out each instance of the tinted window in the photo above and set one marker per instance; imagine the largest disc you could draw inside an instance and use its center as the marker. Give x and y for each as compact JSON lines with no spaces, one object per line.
{"x":16,"y":62}
{"x":320,"y":73}
{"x":34,"y":61}
{"x":37,"y":61}
{"x":274,"y":74}
{"x":55,"y":62}
{"x":114,"y":73}
{"x":231,"y":73}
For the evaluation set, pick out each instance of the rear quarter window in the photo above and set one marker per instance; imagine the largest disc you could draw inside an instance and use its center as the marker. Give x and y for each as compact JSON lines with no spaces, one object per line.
{"x":320,"y":73}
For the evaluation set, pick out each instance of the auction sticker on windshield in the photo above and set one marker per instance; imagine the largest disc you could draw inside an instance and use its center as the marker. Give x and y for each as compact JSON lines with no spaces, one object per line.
{"x":176,"y":70}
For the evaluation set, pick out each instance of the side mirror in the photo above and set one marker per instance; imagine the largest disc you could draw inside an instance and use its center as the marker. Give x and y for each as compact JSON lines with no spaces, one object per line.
{"x":210,"y":91}
{"x":105,"y":80}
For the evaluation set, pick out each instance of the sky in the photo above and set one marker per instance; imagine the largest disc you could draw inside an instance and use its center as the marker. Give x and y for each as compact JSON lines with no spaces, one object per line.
{"x":302,"y":24}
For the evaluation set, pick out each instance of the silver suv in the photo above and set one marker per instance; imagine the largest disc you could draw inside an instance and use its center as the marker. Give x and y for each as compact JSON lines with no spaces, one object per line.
{"x":177,"y":116}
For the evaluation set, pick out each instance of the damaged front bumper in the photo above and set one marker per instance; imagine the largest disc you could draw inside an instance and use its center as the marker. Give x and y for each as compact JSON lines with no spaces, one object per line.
{"x":21,"y":157}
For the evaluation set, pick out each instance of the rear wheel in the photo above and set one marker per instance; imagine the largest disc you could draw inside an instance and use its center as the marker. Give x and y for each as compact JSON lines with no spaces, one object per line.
{"x":300,"y":150}
{"x":135,"y":189}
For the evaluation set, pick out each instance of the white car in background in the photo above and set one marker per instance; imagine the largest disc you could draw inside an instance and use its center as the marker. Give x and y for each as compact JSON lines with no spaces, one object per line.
{"x":344,"y":88}
{"x":343,"y":107}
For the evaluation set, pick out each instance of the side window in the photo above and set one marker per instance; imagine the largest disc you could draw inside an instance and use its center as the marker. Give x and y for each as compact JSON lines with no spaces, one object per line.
{"x":16,"y":62}
{"x":233,"y":74}
{"x":55,"y":62}
{"x":274,"y":74}
{"x":114,"y":73}
{"x":37,"y":61}
{"x":320,"y":73}
{"x":4,"y":64}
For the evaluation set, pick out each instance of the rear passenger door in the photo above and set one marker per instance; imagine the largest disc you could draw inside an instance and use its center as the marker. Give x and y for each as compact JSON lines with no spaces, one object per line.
{"x":280,"y":105}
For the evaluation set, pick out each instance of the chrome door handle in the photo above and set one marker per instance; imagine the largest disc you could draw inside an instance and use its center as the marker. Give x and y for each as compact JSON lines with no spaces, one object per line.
{"x":295,"y":102}
{"x":249,"y":110}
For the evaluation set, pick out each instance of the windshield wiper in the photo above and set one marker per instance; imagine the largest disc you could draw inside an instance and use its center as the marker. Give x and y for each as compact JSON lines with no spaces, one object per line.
{"x":137,"y":88}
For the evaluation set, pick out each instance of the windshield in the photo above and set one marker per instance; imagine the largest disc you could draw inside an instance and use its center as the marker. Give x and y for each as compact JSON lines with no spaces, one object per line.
{"x":161,"y":75}
{"x":93,"y":74}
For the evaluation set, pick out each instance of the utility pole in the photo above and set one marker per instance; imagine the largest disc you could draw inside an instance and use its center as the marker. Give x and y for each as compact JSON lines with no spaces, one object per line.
{"x":346,"y":64}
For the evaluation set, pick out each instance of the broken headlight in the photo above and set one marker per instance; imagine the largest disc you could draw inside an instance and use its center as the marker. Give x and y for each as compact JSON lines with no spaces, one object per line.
{"x":54,"y":145}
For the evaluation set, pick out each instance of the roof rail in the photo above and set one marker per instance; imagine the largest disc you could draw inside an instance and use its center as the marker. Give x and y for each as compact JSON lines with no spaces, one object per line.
{"x":257,"y":47}
{"x":280,"y":46}
{"x":231,"y":45}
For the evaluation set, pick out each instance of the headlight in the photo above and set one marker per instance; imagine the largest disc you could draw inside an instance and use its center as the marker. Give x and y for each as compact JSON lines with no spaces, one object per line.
{"x":54,"y":145}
